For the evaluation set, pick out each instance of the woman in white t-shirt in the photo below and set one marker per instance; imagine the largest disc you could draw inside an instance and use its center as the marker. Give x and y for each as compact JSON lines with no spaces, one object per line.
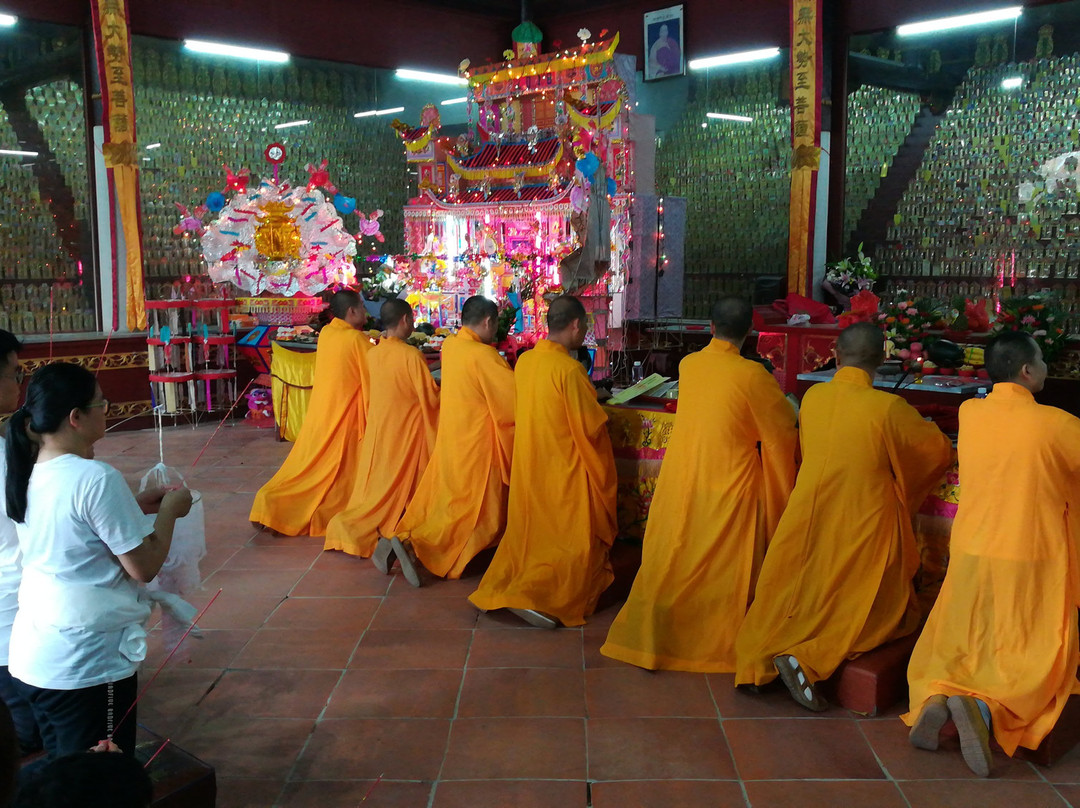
{"x":86,"y":542}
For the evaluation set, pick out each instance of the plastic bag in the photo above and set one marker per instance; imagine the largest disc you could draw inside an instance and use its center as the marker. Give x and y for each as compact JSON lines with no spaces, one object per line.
{"x":179,"y":575}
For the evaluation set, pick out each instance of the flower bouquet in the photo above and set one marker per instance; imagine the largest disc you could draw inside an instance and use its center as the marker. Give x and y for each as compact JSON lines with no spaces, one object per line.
{"x":864,"y":309}
{"x":907,"y":325}
{"x":967,"y":316}
{"x":849,"y":276}
{"x":1038,"y":315}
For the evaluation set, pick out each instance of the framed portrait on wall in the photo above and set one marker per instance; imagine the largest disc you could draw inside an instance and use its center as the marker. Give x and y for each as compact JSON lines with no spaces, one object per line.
{"x":664,"y":56}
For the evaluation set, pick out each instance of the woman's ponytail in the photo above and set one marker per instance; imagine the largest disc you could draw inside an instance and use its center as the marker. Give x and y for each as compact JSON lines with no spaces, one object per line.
{"x":54,"y":391}
{"x":20,"y":453}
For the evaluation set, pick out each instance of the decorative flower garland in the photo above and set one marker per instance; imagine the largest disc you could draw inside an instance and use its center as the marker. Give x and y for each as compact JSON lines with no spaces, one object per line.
{"x":1038,"y":315}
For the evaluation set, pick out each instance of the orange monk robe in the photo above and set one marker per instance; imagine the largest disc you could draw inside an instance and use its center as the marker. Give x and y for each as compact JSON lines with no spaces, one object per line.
{"x":314,"y":482}
{"x":836,"y":581}
{"x":561,"y":521}
{"x":1004,"y":626}
{"x":716,"y":505}
{"x":459,"y":507}
{"x":402,"y":419}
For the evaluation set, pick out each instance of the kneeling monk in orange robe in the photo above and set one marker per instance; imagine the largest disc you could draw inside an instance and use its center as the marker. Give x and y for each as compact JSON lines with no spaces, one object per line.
{"x":314,"y":482}
{"x":552,"y":564}
{"x":1000,"y":647}
{"x":837,"y":577}
{"x":402,"y":419}
{"x":716,"y":506}
{"x":460,"y":505}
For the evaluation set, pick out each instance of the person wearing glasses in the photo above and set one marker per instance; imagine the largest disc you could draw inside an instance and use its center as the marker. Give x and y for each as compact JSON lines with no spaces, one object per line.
{"x":86,"y":543}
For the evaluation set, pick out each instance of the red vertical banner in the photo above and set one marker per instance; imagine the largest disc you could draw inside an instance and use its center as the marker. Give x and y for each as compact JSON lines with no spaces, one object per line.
{"x":805,"y":140}
{"x":112,"y":38}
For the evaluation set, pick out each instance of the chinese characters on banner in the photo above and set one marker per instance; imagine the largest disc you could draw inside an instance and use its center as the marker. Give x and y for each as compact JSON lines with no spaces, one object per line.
{"x":805,"y":138}
{"x":113,"y":42}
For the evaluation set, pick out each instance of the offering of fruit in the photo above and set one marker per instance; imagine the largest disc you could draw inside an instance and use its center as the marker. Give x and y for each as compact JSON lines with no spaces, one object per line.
{"x":967,"y":371}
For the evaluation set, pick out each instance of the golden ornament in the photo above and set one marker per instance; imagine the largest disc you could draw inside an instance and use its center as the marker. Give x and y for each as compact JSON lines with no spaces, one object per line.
{"x":277,"y":237}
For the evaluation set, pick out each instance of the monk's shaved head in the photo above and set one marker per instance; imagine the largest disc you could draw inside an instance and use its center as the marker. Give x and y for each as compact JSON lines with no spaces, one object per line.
{"x":343,"y":300}
{"x":1007,"y":354}
{"x":393,"y":311}
{"x":477,"y":309}
{"x":732,"y":317}
{"x":563,"y":311}
{"x":861,"y":345}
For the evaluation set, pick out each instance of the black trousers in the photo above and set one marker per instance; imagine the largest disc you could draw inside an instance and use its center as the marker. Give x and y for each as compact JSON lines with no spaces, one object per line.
{"x":22,"y":714}
{"x":75,"y":720}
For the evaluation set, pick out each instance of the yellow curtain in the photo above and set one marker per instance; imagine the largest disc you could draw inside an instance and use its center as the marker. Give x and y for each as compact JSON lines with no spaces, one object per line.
{"x":113,"y":42}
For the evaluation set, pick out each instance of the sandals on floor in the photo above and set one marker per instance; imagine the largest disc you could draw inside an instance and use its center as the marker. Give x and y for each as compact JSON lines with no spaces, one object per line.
{"x":927,"y":727}
{"x":383,"y":557}
{"x":974,"y":734}
{"x":799,"y":684}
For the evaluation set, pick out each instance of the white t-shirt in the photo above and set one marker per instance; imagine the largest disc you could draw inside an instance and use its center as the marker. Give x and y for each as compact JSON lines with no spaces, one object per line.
{"x":80,"y":515}
{"x":10,"y":569}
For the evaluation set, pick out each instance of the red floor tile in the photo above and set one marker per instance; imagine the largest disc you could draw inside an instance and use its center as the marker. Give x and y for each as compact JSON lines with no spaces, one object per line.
{"x":1071,"y":794}
{"x":980,"y":794}
{"x":347,"y":615}
{"x":438,"y":588}
{"x":829,"y":794}
{"x":806,"y":748}
{"x":364,"y":793}
{"x":510,"y":793}
{"x":775,"y":703}
{"x":297,"y":648}
{"x":522,"y":691}
{"x":343,"y":583}
{"x":670,"y":794}
{"x":396,"y":694}
{"x":591,"y":642}
{"x":526,"y":649}
{"x":237,"y":793}
{"x":210,"y":649}
{"x":364,"y":749}
{"x":902,"y":761}
{"x":516,"y":748}
{"x":233,"y":610}
{"x":412,"y":649}
{"x":626,"y":692}
{"x":171,"y":699}
{"x":657,"y":749}
{"x":271,"y":693}
{"x":248,"y":748}
{"x":424,"y":613}
{"x":272,"y":558}
{"x":256,"y":583}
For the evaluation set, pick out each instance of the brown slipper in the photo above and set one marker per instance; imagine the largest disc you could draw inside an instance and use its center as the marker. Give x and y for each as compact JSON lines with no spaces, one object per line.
{"x":927,"y":727}
{"x":974,"y":734}
{"x":410,"y":564}
{"x":799,"y":684}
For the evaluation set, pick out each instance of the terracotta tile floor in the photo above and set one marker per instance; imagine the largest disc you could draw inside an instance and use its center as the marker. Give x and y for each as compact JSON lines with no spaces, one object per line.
{"x":320,"y":682}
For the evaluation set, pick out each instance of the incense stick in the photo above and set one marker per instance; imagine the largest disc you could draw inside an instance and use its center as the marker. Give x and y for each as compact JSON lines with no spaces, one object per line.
{"x":377,"y":781}
{"x":158,"y":752}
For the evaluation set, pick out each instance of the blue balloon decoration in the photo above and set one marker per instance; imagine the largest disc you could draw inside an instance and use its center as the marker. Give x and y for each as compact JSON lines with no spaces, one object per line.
{"x":611,"y":187}
{"x":344,"y":204}
{"x":588,"y":164}
{"x":215,"y":201}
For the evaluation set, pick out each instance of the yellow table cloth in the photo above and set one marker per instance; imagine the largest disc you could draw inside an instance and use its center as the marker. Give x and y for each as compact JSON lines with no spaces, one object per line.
{"x":292,"y":374}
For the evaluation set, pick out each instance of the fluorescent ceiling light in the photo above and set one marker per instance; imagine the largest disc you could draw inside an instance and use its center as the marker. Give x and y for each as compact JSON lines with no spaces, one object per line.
{"x":449,"y":101}
{"x":153,"y":146}
{"x":236,"y":51}
{"x":287,"y":124}
{"x":7,"y":20}
{"x":734,"y":58}
{"x":434,"y":78}
{"x":723,"y":116}
{"x":372,"y":112}
{"x":961,"y":21}
{"x":1012,"y":83}
{"x":18,"y":153}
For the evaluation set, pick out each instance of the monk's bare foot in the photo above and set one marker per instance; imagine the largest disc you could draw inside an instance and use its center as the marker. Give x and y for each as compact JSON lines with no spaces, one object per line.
{"x":799,"y":684}
{"x":535,"y":618}
{"x":411,"y":567}
{"x":383,"y":557}
{"x":927,"y":727}
{"x":974,"y":734}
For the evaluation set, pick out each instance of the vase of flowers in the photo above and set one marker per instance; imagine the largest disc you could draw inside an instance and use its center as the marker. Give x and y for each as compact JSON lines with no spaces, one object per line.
{"x":907,"y":325}
{"x":1039,"y":315}
{"x":848,"y":277}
